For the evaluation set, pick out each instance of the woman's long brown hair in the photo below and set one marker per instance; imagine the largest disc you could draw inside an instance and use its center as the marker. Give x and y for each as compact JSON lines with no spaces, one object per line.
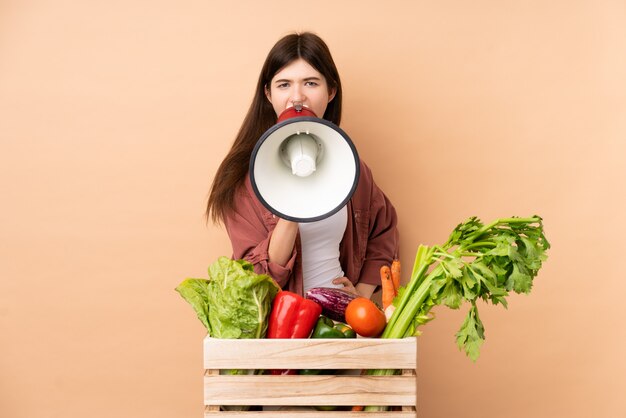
{"x":260,"y":117}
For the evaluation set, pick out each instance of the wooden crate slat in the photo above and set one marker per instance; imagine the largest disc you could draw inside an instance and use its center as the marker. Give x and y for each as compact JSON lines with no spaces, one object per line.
{"x":309,"y":414}
{"x":359,"y":353}
{"x":309,"y":390}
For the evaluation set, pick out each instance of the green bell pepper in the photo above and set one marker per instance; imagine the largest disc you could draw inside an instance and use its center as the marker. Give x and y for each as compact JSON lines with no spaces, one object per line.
{"x":326,"y":328}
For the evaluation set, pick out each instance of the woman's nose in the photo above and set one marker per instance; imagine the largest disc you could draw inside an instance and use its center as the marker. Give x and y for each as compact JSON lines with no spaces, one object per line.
{"x":297,"y":95}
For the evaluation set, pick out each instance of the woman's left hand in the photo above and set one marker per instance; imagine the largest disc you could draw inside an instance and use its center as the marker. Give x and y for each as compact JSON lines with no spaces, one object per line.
{"x":347,"y":285}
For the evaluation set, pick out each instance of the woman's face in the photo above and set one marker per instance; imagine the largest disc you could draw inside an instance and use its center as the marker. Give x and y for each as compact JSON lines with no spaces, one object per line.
{"x":299,"y":82}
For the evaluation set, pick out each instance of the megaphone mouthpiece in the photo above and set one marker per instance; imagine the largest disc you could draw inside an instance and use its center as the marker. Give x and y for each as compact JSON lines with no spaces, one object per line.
{"x":296,"y":112}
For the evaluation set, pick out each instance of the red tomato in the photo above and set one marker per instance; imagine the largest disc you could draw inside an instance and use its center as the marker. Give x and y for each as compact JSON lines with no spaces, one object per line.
{"x":365,"y":318}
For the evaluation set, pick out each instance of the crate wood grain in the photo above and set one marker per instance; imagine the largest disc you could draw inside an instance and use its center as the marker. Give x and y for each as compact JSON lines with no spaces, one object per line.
{"x":358,"y":353}
{"x":310,"y":390}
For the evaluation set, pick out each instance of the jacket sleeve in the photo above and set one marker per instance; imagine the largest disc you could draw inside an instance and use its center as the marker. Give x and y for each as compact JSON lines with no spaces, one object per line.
{"x":250,"y":235}
{"x":383,"y":238}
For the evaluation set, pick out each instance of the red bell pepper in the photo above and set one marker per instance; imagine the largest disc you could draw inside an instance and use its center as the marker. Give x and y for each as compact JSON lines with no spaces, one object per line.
{"x":292,"y":316}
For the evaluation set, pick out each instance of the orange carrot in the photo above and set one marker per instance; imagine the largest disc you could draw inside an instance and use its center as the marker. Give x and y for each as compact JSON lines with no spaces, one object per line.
{"x":387,"y":286}
{"x":395,"y":274}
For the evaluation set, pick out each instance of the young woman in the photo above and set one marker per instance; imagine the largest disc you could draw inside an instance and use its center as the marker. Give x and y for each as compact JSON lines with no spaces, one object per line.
{"x":345,"y":250}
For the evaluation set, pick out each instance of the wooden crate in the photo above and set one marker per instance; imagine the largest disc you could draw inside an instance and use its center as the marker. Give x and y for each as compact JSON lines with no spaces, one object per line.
{"x":301,"y":390}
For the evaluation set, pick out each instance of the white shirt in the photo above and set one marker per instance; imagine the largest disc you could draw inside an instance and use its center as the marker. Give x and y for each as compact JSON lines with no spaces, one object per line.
{"x":320,"y":250}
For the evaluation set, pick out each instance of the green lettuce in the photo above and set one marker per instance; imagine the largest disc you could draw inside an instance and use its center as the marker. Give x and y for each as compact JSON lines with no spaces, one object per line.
{"x":234,"y":302}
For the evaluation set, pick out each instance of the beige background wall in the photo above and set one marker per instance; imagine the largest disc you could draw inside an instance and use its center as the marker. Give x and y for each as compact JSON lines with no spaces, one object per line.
{"x":113,"y":119}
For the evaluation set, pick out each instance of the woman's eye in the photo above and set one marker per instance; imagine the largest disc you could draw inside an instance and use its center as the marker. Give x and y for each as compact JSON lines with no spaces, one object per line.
{"x":282,"y":85}
{"x":311,"y":83}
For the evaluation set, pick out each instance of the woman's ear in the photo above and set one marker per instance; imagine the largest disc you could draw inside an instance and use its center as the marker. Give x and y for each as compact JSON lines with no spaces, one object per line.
{"x":331,"y":94}
{"x":267,"y":94}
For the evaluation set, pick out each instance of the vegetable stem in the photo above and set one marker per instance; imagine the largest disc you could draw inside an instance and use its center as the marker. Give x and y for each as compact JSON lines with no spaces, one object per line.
{"x":414,"y":301}
{"x":503,"y":221}
{"x":480,"y":244}
{"x":419,"y":269}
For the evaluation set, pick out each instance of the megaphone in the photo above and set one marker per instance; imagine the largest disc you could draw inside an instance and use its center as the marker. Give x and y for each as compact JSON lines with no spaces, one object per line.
{"x":304,"y":168}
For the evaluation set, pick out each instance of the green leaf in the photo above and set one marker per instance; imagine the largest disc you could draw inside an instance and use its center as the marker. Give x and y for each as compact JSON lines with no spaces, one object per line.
{"x":471,"y":336}
{"x":468,"y":283}
{"x":499,"y":300}
{"x":532,"y":253}
{"x":195,"y":292}
{"x":519,"y":281}
{"x":453,"y":267}
{"x":451,"y":295}
{"x":488,"y":275}
{"x":503,"y":244}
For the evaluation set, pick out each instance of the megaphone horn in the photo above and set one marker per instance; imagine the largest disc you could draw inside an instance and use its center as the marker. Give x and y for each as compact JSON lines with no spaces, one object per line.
{"x":304,"y":168}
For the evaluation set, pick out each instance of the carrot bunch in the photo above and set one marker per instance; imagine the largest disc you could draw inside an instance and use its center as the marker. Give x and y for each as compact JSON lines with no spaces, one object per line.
{"x":390,"y":281}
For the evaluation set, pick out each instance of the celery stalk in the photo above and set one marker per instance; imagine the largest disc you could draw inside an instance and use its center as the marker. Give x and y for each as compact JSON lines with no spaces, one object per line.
{"x":477,"y":261}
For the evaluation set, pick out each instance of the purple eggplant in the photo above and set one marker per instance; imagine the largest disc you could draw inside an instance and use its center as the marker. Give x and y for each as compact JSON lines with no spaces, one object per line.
{"x":332,"y":301}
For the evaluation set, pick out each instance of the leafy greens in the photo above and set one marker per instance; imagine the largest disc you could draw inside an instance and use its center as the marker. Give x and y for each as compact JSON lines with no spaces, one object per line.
{"x":234,"y":302}
{"x":476,"y":262}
